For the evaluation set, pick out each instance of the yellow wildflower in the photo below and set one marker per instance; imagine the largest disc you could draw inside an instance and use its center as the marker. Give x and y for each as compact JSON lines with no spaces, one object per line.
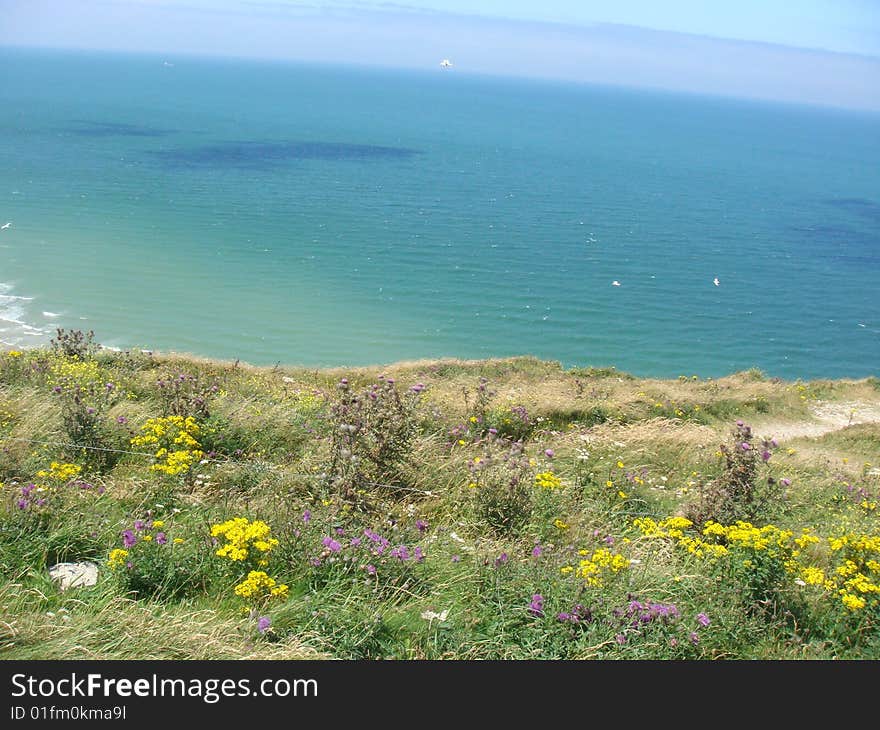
{"x":813,"y":576}
{"x":852,"y":602}
{"x":547,"y":480}
{"x":117,"y":557}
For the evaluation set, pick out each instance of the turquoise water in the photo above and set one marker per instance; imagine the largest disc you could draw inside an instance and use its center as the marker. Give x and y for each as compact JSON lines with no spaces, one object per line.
{"x":336,"y":216}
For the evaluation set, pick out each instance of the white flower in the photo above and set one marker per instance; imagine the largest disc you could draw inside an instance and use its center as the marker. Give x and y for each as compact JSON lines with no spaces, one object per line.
{"x":434,"y":616}
{"x":800,"y":582}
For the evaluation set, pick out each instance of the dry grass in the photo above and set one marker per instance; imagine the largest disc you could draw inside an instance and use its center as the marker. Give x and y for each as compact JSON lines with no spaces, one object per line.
{"x":119,"y":628}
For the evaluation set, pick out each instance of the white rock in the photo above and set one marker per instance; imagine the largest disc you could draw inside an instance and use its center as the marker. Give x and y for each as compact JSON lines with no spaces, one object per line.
{"x":73,"y":575}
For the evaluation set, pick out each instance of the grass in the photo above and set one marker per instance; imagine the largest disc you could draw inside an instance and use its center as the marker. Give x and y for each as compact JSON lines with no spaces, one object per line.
{"x":407,"y":521}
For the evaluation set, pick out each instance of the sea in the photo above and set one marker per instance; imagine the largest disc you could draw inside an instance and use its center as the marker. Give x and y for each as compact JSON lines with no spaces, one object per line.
{"x":292,"y":214}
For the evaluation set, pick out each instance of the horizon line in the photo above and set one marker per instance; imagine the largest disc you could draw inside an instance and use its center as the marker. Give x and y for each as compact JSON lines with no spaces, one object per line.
{"x":463,"y":71}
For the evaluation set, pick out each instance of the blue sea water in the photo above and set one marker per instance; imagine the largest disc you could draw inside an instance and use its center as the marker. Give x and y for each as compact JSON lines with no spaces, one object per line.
{"x":341,"y":216}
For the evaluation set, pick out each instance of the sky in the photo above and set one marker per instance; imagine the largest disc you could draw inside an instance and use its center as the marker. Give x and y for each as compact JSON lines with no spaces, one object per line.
{"x":811,"y":51}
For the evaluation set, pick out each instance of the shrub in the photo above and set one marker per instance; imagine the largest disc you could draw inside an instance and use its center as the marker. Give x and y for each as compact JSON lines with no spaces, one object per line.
{"x":185,"y":395}
{"x":372,"y":433}
{"x":74,"y":343}
{"x":86,"y":395}
{"x":51,"y":518}
{"x":155,"y":562}
{"x":739,"y":492}
{"x":501,"y":485}
{"x":514,"y":422}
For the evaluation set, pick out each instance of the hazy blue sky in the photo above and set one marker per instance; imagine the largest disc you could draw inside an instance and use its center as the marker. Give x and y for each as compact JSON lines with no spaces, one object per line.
{"x":820,"y":51}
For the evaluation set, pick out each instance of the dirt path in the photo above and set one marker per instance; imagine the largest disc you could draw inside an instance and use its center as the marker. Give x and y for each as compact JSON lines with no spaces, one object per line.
{"x":829,"y":417}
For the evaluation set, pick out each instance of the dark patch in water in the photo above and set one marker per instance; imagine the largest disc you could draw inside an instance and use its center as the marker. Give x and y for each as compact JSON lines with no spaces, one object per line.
{"x":261,"y":155}
{"x":841,"y":243}
{"x":860,"y":206}
{"x":83,"y":128}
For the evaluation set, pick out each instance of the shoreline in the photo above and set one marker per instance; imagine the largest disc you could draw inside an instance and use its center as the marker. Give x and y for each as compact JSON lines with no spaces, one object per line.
{"x":431,"y":363}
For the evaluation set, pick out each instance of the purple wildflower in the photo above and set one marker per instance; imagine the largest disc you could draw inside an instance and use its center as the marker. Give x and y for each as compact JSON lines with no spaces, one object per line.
{"x":766,"y":456}
{"x":371,"y":569}
{"x":537,"y":551}
{"x":665,"y":610}
{"x":785,"y":482}
{"x":456,"y":559}
{"x":563,"y":616}
{"x":620,"y":639}
{"x":421,"y":525}
{"x":22,"y":504}
{"x":121,"y":420}
{"x":375,"y":537}
{"x":694,"y":638}
{"x":307,"y":516}
{"x":745,"y":446}
{"x":161,"y":539}
{"x":331,"y":544}
{"x":139,"y":525}
{"x":128,"y":539}
{"x":703,"y":619}
{"x":501,"y":559}
{"x":418,"y":554}
{"x":536,"y":606}
{"x":355,"y":541}
{"x":549,"y":453}
{"x":263,"y":624}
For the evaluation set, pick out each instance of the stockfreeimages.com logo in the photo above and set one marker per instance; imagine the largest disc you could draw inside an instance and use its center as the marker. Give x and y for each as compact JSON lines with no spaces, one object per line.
{"x":208,"y":690}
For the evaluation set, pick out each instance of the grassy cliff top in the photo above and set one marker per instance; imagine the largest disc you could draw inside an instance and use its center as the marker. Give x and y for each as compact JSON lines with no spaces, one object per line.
{"x":505,"y":508}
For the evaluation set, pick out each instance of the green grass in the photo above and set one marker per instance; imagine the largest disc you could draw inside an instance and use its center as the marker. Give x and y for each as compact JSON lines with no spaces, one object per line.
{"x":455,"y":580}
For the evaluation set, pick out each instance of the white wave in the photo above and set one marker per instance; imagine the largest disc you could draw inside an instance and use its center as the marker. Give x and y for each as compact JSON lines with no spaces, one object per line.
{"x":51,"y":315}
{"x":15,"y":328}
{"x":11,"y":313}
